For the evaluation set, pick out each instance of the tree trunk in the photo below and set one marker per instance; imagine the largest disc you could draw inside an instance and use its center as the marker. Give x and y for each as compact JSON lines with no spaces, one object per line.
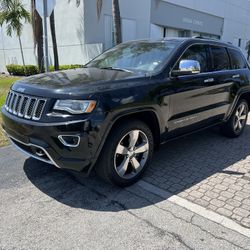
{"x":117,"y":22}
{"x":21,"y":49}
{"x":37,"y":27}
{"x":38,"y":36}
{"x":53,"y":35}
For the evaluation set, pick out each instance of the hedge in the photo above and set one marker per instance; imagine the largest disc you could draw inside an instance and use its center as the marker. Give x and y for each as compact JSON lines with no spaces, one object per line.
{"x":65,"y":67}
{"x":28,"y":70}
{"x":18,"y":70}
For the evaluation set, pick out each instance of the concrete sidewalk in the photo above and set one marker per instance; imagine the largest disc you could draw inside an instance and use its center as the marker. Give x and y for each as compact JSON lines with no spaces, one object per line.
{"x":209,"y":170}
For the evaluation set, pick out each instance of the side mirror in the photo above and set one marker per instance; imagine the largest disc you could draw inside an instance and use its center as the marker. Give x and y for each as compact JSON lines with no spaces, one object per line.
{"x":187,"y":67}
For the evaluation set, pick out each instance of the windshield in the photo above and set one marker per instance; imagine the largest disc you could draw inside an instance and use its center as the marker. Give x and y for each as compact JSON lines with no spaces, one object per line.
{"x":146,"y":57}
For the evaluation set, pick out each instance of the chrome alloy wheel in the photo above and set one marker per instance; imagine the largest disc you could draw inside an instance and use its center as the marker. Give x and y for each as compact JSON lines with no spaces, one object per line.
{"x":240,"y":118}
{"x":131,"y":154}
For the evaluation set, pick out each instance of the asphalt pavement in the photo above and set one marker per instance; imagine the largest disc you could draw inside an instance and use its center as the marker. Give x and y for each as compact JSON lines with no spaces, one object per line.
{"x":42,"y":207}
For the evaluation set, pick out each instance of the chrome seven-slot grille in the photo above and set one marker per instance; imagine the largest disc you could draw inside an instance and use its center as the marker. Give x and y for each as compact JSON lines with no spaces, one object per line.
{"x":25,"y":106}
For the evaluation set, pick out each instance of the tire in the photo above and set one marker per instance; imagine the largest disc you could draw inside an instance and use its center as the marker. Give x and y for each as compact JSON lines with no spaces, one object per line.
{"x":234,"y":127}
{"x":126,"y":153}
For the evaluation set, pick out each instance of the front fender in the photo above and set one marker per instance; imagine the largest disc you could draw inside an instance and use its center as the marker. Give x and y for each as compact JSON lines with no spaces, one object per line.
{"x":111,"y":121}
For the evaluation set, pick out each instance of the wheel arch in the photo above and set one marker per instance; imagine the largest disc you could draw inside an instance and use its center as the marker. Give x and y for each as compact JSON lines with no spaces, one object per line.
{"x":148,"y":116}
{"x":243,"y":95}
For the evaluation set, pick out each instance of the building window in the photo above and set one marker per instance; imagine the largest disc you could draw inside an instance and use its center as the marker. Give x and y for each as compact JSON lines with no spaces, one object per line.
{"x":184,"y":33}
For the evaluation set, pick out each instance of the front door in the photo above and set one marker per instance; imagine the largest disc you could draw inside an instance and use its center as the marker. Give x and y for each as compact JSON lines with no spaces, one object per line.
{"x":193,"y":103}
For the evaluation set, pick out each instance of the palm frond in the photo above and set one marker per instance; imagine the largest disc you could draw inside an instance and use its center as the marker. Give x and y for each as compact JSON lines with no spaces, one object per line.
{"x":13,"y":13}
{"x":9,"y":30}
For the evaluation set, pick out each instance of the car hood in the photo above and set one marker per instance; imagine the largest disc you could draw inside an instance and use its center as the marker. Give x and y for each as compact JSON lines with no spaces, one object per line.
{"x":73,"y":82}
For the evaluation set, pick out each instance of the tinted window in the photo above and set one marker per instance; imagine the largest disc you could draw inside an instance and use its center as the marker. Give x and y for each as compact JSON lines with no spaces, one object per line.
{"x":237,"y":60}
{"x":220,"y":58}
{"x":197,"y":53}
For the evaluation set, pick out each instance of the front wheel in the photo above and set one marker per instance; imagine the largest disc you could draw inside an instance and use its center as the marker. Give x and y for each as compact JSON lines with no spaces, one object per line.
{"x":234,"y":127}
{"x":126,"y":153}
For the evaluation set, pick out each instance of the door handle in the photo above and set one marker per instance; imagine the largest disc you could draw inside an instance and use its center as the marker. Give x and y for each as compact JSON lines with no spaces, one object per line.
{"x":209,"y":80}
{"x":236,"y":76}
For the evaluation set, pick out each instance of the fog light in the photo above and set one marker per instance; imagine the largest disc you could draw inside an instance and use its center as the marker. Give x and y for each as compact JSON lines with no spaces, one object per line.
{"x":72,"y":141}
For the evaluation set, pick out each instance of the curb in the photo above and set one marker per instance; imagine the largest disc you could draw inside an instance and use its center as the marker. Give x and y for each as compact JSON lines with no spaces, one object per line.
{"x":210,"y":215}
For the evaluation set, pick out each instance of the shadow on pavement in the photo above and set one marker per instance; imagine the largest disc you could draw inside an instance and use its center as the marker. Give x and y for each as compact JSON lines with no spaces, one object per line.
{"x":80,"y":192}
{"x":176,"y":166}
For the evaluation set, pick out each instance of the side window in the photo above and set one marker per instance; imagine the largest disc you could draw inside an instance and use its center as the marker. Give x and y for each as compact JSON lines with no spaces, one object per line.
{"x":197,"y":53}
{"x":237,"y":59}
{"x":220,"y":58}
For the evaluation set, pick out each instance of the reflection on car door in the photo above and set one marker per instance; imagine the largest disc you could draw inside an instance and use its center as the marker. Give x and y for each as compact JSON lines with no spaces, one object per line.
{"x":193,"y":102}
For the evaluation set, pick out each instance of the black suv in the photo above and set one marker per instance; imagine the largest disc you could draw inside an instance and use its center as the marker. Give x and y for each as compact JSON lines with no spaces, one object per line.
{"x":112,"y":113}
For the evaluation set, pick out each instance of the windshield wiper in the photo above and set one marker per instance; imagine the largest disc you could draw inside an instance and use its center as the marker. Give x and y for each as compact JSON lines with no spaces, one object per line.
{"x":118,"y":69}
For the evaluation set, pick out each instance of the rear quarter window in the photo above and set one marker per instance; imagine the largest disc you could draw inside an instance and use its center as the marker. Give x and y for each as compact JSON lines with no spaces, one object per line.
{"x":237,"y":59}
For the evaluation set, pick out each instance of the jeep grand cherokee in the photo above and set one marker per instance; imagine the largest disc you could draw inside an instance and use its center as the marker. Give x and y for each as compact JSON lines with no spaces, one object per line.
{"x":112,"y":113}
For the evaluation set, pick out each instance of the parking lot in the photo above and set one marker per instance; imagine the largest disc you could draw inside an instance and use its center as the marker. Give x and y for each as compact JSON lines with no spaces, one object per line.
{"x":43,"y":207}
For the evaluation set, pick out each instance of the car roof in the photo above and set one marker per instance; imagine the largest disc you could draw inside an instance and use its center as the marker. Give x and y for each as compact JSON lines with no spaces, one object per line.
{"x":201,"y":40}
{"x":188,"y":40}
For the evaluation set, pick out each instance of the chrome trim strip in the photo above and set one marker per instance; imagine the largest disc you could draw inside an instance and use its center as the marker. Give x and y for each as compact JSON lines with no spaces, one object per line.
{"x":51,"y":161}
{"x":26,"y":108}
{"x":10,"y":104}
{"x":34,"y":109}
{"x":14,"y":106}
{"x":29,"y":154}
{"x":20,"y":106}
{"x":34,"y":116}
{"x":60,"y":137}
{"x":54,"y":114}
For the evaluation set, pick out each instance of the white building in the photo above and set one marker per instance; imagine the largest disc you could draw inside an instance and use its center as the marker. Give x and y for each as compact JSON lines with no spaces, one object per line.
{"x":81,"y":35}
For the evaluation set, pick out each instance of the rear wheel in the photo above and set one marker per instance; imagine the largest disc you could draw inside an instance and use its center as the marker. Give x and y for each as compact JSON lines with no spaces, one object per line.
{"x":234,"y":127}
{"x":126,"y":153}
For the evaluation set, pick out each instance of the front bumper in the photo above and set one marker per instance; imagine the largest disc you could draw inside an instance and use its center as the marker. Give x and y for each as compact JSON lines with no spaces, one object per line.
{"x":40,"y":141}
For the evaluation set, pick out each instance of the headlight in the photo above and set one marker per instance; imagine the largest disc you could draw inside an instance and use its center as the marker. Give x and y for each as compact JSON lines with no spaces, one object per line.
{"x":75,"y":106}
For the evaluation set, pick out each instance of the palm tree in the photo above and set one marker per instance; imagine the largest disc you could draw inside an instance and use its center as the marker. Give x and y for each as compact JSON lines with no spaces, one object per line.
{"x":37,"y":26}
{"x":248,"y":50}
{"x":116,"y":17}
{"x":117,"y":21}
{"x":12,"y":12}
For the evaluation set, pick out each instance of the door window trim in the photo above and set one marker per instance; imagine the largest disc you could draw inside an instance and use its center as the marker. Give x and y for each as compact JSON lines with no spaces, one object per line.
{"x":209,"y":56}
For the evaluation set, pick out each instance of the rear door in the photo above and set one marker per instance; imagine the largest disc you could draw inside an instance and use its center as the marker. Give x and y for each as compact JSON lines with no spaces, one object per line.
{"x":220,"y":83}
{"x":240,"y":73}
{"x":240,"y":70}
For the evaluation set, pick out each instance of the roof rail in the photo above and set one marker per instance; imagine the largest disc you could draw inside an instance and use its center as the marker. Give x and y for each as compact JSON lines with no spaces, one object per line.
{"x":202,"y":37}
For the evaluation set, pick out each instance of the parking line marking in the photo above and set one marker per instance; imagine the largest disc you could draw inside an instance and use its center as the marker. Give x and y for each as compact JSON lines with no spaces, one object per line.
{"x":210,"y":215}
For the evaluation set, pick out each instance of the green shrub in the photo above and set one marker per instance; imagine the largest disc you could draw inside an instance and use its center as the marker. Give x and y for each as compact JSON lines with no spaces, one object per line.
{"x":28,"y":70}
{"x":65,"y":67}
{"x":19,"y":70}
